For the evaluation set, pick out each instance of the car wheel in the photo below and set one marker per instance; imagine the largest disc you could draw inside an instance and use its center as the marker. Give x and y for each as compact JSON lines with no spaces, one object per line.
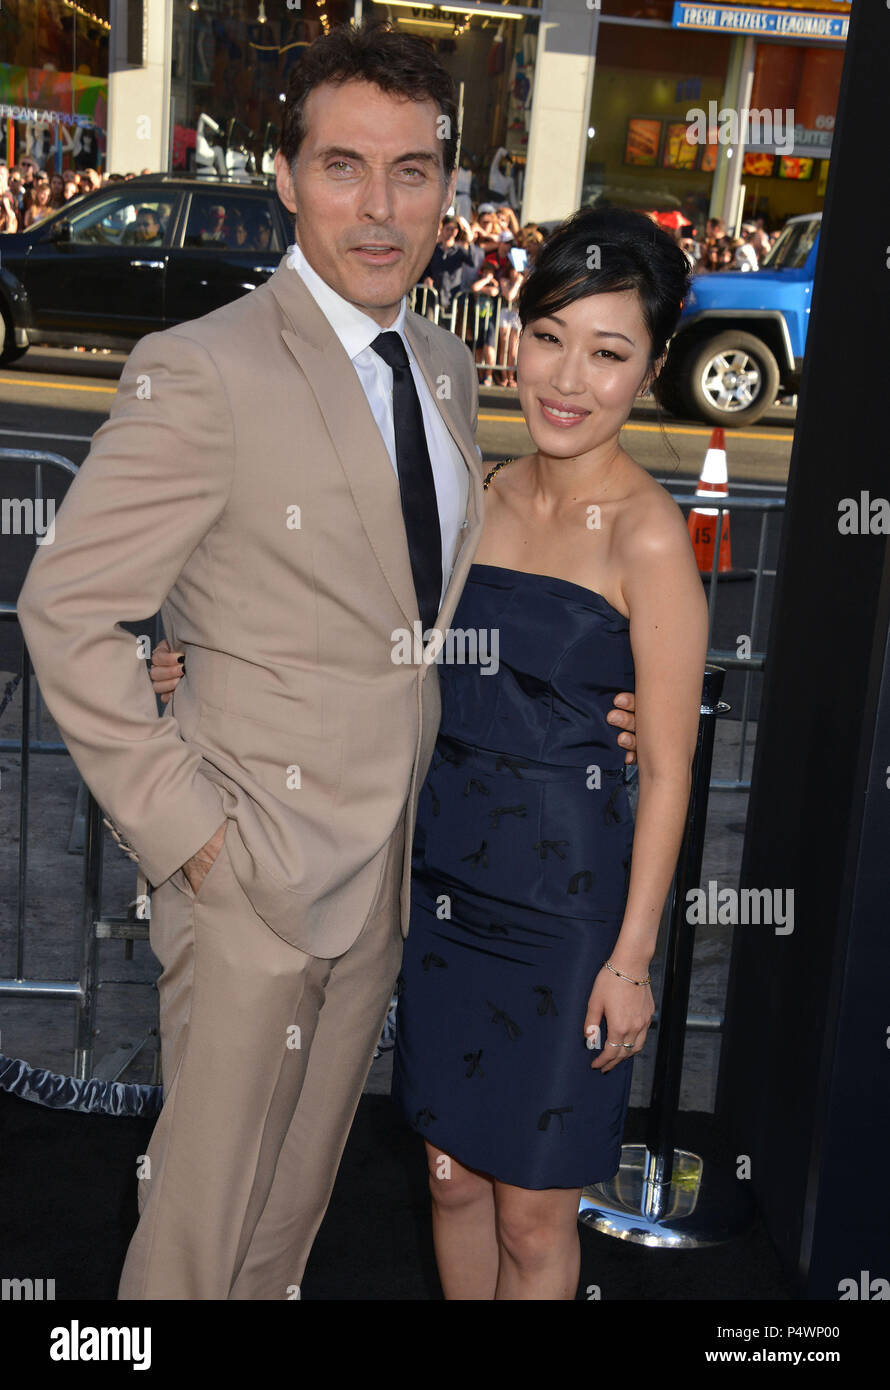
{"x":731,"y":379}
{"x":9,"y":351}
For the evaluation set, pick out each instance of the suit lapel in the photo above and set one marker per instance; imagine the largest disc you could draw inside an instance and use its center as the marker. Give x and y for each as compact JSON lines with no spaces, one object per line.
{"x":363,"y":455}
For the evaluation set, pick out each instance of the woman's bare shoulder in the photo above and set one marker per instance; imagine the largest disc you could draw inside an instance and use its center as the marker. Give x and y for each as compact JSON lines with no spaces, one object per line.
{"x":650,"y":518}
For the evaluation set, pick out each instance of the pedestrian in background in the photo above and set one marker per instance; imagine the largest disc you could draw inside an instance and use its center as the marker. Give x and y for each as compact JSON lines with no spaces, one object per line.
{"x":9,"y":216}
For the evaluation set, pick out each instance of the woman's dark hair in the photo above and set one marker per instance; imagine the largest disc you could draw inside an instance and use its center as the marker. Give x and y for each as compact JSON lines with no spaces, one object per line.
{"x":602,"y":250}
{"x":402,"y":64}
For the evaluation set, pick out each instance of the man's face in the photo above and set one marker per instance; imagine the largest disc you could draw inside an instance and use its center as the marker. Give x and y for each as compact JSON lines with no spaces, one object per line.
{"x":28,"y":168}
{"x":146,"y":226}
{"x":369,"y":174}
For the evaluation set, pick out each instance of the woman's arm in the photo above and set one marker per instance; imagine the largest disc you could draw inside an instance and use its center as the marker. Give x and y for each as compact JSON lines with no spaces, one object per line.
{"x":513,"y":280}
{"x":484,"y":282}
{"x":511,"y":218}
{"x":668,"y":634}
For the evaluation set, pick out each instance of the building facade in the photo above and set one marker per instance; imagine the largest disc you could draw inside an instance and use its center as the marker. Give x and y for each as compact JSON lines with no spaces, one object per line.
{"x":665,"y":70}
{"x":54,"y":82}
{"x":720,"y":109}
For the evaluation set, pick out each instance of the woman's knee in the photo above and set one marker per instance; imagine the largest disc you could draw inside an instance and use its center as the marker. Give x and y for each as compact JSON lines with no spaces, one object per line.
{"x":452,"y":1185}
{"x":532,"y":1231}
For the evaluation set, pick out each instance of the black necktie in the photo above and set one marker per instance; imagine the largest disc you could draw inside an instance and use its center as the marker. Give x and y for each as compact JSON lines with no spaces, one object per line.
{"x":416,"y":485}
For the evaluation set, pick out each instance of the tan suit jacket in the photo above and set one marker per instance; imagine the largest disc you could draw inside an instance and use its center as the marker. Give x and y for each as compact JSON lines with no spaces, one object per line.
{"x":294,"y":720}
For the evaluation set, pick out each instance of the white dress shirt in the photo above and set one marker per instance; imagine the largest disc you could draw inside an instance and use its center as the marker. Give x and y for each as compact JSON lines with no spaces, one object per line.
{"x":356,"y":331}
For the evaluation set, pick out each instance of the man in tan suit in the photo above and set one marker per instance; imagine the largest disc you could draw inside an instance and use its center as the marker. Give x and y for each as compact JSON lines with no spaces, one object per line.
{"x":249,"y":483}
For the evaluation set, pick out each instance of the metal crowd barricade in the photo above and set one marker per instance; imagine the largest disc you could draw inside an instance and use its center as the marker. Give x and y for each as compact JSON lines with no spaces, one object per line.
{"x":424,"y":300}
{"x":730,"y":660}
{"x":466,"y":313}
{"x":93,"y":926}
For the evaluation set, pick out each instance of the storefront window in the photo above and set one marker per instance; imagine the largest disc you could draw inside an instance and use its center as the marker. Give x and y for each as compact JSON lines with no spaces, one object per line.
{"x":54,"y":82}
{"x":806,"y":82}
{"x":229,"y":72}
{"x":645,"y":83}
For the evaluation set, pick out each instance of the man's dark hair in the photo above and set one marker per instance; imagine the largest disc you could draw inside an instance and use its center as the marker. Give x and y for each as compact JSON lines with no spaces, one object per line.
{"x":402,"y":64}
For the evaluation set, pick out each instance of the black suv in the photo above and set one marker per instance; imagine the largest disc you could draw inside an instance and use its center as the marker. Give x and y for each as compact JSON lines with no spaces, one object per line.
{"x":137,"y":256}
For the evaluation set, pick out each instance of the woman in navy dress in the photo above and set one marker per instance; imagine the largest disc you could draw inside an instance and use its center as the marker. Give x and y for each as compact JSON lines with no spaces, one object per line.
{"x":524,"y":991}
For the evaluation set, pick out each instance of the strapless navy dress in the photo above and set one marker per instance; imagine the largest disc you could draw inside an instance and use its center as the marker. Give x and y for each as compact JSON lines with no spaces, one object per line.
{"x":521,"y":862}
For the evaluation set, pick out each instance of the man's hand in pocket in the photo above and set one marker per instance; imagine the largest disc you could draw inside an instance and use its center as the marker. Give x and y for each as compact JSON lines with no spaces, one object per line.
{"x":198,"y":867}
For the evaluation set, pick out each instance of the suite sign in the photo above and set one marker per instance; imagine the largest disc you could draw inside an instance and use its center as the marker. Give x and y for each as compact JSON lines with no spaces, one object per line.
{"x":755,"y":19}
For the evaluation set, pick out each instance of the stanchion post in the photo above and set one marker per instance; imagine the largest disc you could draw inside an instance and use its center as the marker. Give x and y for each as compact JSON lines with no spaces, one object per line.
{"x":660,"y":1195}
{"x":680,"y":943}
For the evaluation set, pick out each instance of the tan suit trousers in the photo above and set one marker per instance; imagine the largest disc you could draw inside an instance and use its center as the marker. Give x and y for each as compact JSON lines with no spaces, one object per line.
{"x":265,"y":1051}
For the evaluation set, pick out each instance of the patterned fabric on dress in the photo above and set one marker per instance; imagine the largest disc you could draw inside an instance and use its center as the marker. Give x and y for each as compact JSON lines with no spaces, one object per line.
{"x":521,"y":862}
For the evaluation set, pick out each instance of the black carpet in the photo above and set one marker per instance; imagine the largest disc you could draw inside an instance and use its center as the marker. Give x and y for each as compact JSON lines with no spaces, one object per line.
{"x":68,"y":1209}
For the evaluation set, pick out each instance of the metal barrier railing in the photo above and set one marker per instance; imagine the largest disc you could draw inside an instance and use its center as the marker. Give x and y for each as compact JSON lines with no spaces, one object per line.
{"x":38,"y":458}
{"x":93,"y":926}
{"x":730,"y":660}
{"x":477,"y":318}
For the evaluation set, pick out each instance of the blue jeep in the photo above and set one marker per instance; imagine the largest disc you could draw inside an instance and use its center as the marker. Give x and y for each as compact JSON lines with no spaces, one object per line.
{"x":741,"y":338}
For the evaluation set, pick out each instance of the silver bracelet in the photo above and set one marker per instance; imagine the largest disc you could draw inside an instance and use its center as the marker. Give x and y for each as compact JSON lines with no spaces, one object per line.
{"x":627,"y":977}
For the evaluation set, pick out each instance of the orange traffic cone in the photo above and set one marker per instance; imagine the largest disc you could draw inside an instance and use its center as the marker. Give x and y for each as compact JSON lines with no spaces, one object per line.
{"x":714,"y":482}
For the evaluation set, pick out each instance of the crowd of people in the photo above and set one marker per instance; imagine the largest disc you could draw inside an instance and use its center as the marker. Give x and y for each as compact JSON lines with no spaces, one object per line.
{"x":480,"y":262}
{"x":717,"y":251}
{"x":486,"y":256}
{"x":29,"y":193}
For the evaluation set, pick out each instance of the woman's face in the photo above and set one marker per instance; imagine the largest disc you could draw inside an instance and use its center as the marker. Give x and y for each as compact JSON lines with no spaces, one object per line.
{"x":590,"y":359}
{"x":55,"y":184}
